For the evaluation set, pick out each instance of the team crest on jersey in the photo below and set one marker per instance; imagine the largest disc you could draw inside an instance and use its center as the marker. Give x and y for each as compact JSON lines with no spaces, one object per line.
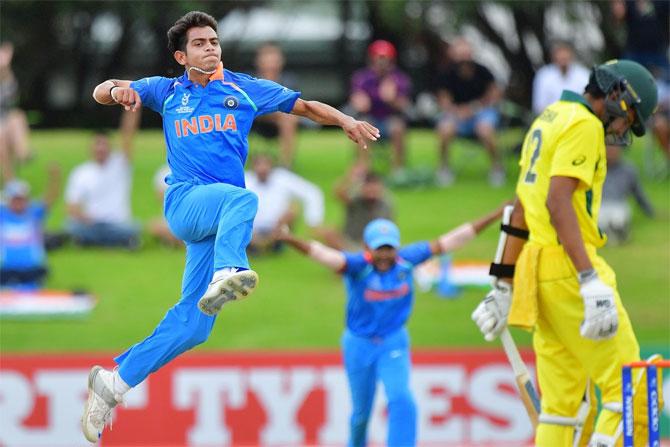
{"x":231,"y":102}
{"x":184,"y":104}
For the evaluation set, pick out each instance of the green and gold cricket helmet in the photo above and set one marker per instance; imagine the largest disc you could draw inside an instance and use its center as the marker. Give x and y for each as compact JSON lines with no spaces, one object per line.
{"x":636,"y":86}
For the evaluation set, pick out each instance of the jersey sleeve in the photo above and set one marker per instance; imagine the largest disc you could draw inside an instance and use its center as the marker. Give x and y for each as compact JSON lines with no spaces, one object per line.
{"x":576,"y":153}
{"x":268,"y":96}
{"x":416,"y":253}
{"x":153,"y":91}
{"x":354,"y":263}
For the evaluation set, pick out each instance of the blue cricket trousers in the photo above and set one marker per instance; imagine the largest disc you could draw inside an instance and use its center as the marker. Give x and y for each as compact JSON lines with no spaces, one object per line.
{"x":366,"y":360}
{"x":215,"y":222}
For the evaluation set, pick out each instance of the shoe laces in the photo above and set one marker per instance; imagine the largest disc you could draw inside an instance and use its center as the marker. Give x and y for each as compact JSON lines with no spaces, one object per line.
{"x":101,"y":413}
{"x":223,"y":273}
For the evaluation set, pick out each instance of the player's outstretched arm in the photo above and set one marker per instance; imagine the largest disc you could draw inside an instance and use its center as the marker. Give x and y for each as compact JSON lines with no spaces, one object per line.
{"x":329,"y":257}
{"x":114,"y":91}
{"x":459,"y":236}
{"x":53,"y":185}
{"x":359,"y":132}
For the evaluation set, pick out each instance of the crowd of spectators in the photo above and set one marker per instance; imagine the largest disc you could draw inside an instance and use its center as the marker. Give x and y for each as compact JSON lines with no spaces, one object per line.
{"x":97,"y":195}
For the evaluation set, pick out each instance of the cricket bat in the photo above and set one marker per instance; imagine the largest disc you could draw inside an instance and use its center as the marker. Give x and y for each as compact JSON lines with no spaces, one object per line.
{"x":524,"y":383}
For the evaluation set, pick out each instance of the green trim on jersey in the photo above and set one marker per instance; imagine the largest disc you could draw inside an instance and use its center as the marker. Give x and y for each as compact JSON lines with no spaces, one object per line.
{"x":570,"y":96}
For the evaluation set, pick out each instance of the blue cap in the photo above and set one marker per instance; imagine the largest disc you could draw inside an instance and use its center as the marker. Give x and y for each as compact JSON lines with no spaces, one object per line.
{"x":381,"y":232}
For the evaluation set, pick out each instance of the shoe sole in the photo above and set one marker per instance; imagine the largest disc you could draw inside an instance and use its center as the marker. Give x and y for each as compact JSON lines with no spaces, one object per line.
{"x":87,"y":408}
{"x":235,"y":287}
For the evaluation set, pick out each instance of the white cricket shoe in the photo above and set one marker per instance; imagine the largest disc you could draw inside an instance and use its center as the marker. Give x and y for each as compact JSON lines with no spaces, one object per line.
{"x":101,"y":400}
{"x":227,"y":285}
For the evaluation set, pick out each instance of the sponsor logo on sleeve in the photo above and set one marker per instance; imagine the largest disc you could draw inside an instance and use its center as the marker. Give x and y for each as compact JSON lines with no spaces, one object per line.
{"x":579,"y":160}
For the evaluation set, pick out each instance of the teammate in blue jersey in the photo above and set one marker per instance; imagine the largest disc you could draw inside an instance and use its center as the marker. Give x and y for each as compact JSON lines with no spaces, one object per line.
{"x":380,"y":295}
{"x":207,"y":114}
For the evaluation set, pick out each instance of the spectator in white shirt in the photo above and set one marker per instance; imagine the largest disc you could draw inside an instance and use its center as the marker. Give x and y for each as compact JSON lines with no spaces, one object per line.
{"x":278,"y":189}
{"x":562,"y":74}
{"x":98,"y":193}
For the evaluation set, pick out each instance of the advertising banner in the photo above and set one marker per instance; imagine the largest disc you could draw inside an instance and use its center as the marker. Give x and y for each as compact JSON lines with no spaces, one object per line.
{"x":263,"y":398}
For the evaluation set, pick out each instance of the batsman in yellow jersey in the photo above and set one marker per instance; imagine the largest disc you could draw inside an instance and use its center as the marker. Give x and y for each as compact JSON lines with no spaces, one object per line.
{"x":560,"y":287}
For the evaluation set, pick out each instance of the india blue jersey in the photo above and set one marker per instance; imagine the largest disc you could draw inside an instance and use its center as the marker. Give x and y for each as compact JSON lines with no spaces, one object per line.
{"x":379,"y":303}
{"x":21,"y":237}
{"x":206,"y":128}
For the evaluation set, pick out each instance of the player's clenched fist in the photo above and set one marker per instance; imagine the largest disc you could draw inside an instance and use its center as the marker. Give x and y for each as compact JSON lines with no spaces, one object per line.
{"x":600,"y":315}
{"x":127,"y":97}
{"x":491,"y":314}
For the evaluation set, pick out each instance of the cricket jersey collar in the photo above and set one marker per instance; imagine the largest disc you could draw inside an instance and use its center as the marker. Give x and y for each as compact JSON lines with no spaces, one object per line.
{"x":217,"y":75}
{"x":570,"y":96}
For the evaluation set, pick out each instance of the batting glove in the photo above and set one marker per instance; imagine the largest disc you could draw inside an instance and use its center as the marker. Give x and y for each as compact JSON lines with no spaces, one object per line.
{"x":491,"y":314}
{"x":600,"y":315}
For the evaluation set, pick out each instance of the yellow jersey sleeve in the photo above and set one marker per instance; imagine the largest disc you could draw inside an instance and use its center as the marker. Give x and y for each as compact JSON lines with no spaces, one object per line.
{"x":577,"y":151}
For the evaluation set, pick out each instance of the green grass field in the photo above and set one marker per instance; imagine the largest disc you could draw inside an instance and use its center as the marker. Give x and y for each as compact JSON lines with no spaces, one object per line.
{"x":300,"y":305}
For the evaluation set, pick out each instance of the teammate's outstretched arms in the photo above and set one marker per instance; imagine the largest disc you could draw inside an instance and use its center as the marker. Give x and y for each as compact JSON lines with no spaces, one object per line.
{"x":114,"y":91}
{"x":357,"y":131}
{"x":459,"y":236}
{"x":329,"y":257}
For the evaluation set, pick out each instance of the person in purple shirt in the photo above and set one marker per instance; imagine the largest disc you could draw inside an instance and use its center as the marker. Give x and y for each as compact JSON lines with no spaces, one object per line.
{"x":381,"y":94}
{"x":22,"y":252}
{"x":380,"y":297}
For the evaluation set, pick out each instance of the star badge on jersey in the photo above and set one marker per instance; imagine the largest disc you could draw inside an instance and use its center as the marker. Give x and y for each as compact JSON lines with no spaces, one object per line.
{"x":231,"y":102}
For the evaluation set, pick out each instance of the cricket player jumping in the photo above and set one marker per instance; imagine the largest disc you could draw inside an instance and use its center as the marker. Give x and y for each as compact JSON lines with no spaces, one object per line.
{"x":207,"y":114}
{"x":562,"y":289}
{"x":380,"y":296}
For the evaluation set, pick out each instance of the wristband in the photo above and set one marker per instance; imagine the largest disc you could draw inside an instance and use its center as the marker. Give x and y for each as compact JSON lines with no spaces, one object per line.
{"x":111,"y":90}
{"x":586,"y":275}
{"x":502,"y":270}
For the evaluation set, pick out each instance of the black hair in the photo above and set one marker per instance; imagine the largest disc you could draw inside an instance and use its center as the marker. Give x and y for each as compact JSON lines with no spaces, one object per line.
{"x":104,"y":133}
{"x":592,"y":87}
{"x":194,"y":19}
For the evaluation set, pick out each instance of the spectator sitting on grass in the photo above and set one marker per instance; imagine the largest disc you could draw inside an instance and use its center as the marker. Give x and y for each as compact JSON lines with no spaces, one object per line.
{"x":621,"y":182}
{"x":468,"y":94}
{"x":270,"y":66}
{"x":22,"y":251}
{"x":98,"y":193}
{"x":277,"y":190}
{"x":13,"y":122}
{"x":381,"y":93}
{"x":365,"y":199}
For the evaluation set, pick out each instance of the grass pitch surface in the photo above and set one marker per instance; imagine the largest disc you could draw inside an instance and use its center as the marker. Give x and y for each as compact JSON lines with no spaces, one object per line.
{"x":300,"y":305}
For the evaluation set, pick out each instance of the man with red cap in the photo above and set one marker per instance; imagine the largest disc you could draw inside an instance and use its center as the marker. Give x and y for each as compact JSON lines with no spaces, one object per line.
{"x":381,"y":93}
